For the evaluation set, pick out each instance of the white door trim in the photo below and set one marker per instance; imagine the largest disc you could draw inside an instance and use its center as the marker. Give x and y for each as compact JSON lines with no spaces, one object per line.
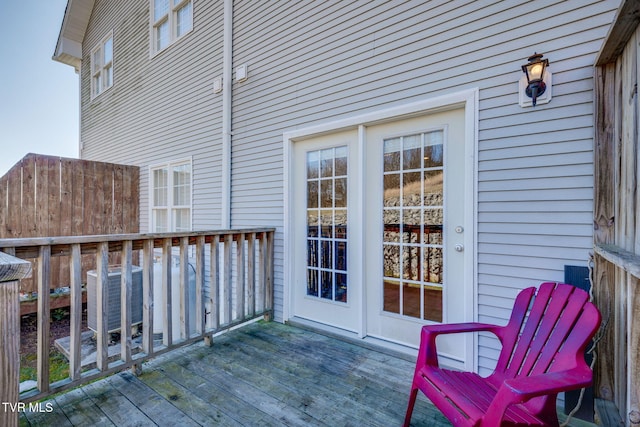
{"x":469,"y":99}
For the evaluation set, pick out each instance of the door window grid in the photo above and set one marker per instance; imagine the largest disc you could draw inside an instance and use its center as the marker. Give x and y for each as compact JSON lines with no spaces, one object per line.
{"x":412,"y":233}
{"x":327,"y":224}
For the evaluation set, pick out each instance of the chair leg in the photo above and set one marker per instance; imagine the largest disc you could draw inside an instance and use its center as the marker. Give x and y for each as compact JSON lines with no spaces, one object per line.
{"x":412,"y":402}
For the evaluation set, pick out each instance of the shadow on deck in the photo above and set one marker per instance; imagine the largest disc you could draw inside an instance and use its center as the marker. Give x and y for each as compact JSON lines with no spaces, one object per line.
{"x":265,"y":374}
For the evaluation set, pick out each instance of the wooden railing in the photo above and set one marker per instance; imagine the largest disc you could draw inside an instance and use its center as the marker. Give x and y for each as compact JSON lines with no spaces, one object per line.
{"x":233,"y":284}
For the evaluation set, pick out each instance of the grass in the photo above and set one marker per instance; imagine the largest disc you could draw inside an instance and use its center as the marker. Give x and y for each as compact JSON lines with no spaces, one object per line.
{"x":58,"y":367}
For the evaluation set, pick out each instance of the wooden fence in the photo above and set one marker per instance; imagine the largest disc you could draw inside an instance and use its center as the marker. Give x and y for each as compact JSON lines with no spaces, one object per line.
{"x":232,"y":283}
{"x":617,"y":216}
{"x":54,"y":196}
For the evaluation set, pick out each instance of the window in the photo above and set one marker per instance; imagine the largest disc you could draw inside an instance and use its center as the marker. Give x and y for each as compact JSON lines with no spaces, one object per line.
{"x":171,"y":197}
{"x":102,"y":66}
{"x":170,"y":20}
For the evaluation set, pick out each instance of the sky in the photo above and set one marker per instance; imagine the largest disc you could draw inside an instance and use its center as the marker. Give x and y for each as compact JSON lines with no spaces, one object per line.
{"x":39,"y":97}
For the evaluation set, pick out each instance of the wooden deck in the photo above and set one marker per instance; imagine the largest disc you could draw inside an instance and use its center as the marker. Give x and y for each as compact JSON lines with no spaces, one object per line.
{"x":265,"y":374}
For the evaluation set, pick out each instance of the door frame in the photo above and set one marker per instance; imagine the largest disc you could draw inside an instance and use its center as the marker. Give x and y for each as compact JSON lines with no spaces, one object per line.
{"x":469,"y":99}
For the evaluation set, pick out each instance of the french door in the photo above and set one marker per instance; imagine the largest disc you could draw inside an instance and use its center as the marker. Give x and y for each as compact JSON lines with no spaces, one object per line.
{"x":415,"y":229}
{"x":327,"y":289}
{"x":381,"y":229}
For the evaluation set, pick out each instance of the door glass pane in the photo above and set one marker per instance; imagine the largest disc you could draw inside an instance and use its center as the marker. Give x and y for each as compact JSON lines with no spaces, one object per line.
{"x":392,"y":155}
{"x":411,"y":152}
{"x":413,"y":211}
{"x":392,"y":296}
{"x":411,"y":299}
{"x":327,"y":215}
{"x":391,"y":219}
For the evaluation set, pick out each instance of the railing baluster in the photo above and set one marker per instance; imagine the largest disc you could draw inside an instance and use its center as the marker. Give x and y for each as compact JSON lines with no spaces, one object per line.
{"x":102,"y":304}
{"x":226,"y":288}
{"x":269,"y":276}
{"x":147,"y":297}
{"x":44,"y":268}
{"x":240,"y":275}
{"x":75,"y":272}
{"x":125,"y":301}
{"x":251,"y":271}
{"x":262,"y":254}
{"x":185,"y":327}
{"x":199,"y":314}
{"x":167,"y":312}
{"x":213,"y":320}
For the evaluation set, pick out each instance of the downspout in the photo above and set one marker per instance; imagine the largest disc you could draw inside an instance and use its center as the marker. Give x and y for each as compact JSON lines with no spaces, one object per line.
{"x":80,"y":144}
{"x":227,"y":56}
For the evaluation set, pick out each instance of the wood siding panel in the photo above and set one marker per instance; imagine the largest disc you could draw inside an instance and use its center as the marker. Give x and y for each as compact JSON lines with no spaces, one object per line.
{"x":616,"y":237}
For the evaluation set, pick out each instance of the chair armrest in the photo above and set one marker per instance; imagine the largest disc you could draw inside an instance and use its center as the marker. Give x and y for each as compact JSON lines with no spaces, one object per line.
{"x":520,"y":390}
{"x":526,"y":388}
{"x":454,"y":328}
{"x":428,"y":355}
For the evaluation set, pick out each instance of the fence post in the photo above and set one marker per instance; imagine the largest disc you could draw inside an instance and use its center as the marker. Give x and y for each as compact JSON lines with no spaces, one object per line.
{"x":11,"y":270}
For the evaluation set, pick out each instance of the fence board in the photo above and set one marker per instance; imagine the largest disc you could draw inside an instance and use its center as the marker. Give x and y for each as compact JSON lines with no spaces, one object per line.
{"x":45,"y":196}
{"x":616,"y":235}
{"x":27,"y":201}
{"x":117,"y":222}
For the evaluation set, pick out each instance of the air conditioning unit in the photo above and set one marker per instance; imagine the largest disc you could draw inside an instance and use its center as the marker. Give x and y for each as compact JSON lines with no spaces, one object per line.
{"x":113,"y":307}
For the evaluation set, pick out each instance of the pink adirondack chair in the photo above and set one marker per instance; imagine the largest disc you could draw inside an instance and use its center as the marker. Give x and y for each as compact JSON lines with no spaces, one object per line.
{"x":542,"y":355}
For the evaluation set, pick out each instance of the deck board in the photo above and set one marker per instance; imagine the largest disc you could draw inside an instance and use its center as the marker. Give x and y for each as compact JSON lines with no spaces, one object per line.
{"x":264,"y":374}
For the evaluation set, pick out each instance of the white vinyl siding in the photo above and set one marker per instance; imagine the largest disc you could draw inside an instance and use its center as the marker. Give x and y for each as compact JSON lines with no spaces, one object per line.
{"x":152,"y":117}
{"x":316,"y":62}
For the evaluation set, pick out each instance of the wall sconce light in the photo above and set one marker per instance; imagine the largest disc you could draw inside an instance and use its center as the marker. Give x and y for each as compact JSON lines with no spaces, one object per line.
{"x":536,"y":81}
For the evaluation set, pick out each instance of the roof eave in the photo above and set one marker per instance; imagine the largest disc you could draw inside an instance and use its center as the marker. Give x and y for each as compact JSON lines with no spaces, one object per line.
{"x":74,"y":25}
{"x":68,"y":52}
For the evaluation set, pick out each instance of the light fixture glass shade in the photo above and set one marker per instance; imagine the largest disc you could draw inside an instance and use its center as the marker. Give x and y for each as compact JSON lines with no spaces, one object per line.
{"x":534,"y":70}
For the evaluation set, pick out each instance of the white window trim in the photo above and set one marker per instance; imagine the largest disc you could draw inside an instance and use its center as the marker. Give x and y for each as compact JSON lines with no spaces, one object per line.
{"x":100,"y":47}
{"x":170,"y":206}
{"x":174,"y":6}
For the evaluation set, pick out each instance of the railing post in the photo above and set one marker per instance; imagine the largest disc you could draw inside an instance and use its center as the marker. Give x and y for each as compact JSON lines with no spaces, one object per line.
{"x":268,"y":302}
{"x":11,"y":270}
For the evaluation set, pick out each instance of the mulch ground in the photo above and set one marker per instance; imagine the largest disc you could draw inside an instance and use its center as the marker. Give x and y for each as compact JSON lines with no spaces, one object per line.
{"x":59,"y":328}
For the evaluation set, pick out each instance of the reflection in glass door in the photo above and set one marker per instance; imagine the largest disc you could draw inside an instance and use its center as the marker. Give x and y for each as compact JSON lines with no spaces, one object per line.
{"x":413,"y":206}
{"x":327,"y":224}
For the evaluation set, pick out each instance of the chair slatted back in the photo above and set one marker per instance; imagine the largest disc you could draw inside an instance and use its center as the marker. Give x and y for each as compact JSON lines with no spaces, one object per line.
{"x":543,"y":338}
